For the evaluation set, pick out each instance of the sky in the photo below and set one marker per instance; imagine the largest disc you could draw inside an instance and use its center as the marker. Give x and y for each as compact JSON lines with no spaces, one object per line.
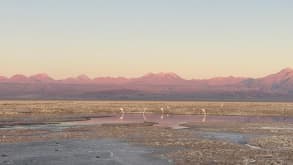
{"x":193,"y":38}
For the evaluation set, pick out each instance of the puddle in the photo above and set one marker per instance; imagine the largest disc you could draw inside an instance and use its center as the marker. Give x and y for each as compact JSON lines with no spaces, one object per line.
{"x":171,"y":121}
{"x":175,"y":121}
{"x":48,"y":127}
{"x":277,"y":128}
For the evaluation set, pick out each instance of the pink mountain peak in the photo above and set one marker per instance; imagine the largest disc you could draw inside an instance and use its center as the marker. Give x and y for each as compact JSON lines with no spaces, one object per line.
{"x":286,"y":70}
{"x":41,"y":77}
{"x":279,"y":77}
{"x":283,"y":73}
{"x":83,"y":77}
{"x":162,"y":75}
{"x":159,"y":78}
{"x":18,"y":77}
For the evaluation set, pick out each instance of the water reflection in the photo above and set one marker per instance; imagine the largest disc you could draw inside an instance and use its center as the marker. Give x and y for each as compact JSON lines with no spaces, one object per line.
{"x":162,"y":114}
{"x":172,"y":121}
{"x":143,"y":114}
{"x":204,"y":112}
{"x":175,"y":121}
{"x":162,"y":117}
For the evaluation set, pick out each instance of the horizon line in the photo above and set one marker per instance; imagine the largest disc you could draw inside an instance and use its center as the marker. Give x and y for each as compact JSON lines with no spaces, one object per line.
{"x":126,"y":77}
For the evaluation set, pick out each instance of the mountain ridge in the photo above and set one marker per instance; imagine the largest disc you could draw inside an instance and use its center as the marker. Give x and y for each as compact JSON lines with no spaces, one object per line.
{"x":159,"y":75}
{"x":277,"y":86}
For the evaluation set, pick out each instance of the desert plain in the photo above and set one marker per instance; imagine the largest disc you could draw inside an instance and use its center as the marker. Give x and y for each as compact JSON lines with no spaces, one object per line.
{"x":145,"y":132}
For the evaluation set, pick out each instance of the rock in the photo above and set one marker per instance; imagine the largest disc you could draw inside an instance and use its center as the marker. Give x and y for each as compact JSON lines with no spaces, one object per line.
{"x":4,"y":155}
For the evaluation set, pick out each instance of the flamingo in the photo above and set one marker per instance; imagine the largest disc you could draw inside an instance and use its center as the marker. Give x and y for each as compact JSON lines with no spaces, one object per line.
{"x":204,"y":114}
{"x":122,"y":113}
{"x":162,"y":115}
{"x":143,"y":114}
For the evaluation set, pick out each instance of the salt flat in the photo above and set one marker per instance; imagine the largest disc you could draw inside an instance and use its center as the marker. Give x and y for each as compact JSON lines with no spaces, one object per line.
{"x":99,"y":132}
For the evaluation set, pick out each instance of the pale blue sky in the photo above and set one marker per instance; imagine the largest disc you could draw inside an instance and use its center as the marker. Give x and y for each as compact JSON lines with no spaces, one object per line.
{"x":194,"y":38}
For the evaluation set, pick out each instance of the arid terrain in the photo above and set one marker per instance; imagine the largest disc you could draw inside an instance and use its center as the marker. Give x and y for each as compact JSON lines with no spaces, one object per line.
{"x":66,"y":132}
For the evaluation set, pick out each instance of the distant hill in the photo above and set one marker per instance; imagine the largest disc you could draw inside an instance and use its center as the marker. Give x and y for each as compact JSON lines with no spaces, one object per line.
{"x":152,"y":86}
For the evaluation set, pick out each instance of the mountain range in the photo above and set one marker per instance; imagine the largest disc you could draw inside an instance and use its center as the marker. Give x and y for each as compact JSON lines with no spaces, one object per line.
{"x":152,"y":86}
